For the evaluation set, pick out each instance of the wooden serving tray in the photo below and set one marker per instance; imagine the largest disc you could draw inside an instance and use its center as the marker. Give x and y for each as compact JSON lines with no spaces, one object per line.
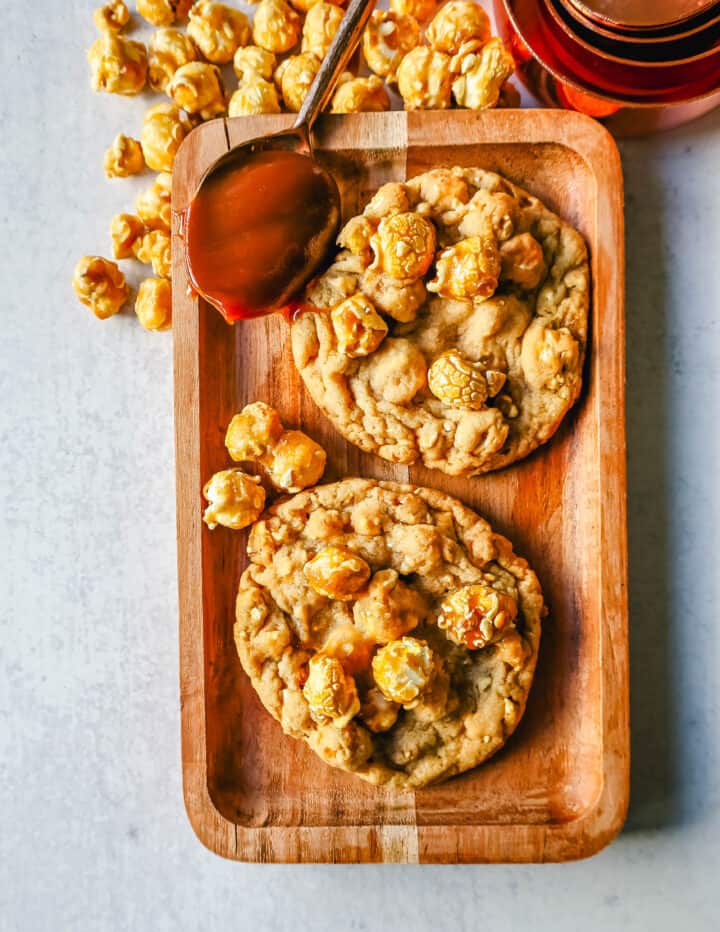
{"x":559,"y":789}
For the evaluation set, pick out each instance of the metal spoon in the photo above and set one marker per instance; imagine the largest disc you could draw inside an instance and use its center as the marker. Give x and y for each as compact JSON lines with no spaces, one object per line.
{"x":210,"y":217}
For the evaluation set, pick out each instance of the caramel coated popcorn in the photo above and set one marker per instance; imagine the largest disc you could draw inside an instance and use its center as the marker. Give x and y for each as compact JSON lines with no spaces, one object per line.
{"x":112,"y":16}
{"x":125,"y":231}
{"x":319,"y":28}
{"x":253,"y":431}
{"x":123,"y":158}
{"x":168,"y":50}
{"x":329,"y":691}
{"x":198,"y":88}
{"x":153,"y":306}
{"x":358,"y":326}
{"x":235,"y":499}
{"x":455,"y":23}
{"x":164,"y":128}
{"x":276,"y":26}
{"x":403,"y":670}
{"x":163,"y":12}
{"x":254,"y":96}
{"x":404,"y":245}
{"x":458,"y":382}
{"x":117,"y":65}
{"x":360,"y":95}
{"x":154,"y":248}
{"x":218,"y":30}
{"x":251,"y":60}
{"x":153,"y":205}
{"x":388,"y":37}
{"x":296,"y":76}
{"x":483,"y":72}
{"x":424,"y":79}
{"x":477,"y":615}
{"x":100,"y":285}
{"x":290,"y":459}
{"x":337,"y":573}
{"x":468,"y":269}
{"x":420,"y":10}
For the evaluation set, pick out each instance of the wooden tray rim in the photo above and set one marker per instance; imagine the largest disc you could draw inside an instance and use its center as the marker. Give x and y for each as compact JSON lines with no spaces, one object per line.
{"x":563,"y":841}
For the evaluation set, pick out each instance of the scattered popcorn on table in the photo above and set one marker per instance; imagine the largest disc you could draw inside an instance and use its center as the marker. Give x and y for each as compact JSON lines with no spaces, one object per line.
{"x":424,"y":79}
{"x":125,"y":231}
{"x":198,"y":88}
{"x":123,"y":158}
{"x":168,"y":50}
{"x":296,"y":75}
{"x":153,"y":305}
{"x":154,"y":248}
{"x":153,"y":205}
{"x":251,"y":60}
{"x":360,"y":95}
{"x":455,"y":23}
{"x":218,"y":30}
{"x":164,"y":129}
{"x":276,"y":26}
{"x":321,"y":24}
{"x":118,"y":65}
{"x":163,"y":12}
{"x":255,"y":95}
{"x":100,"y":285}
{"x":112,"y":17}
{"x":388,"y":37}
{"x":420,"y":10}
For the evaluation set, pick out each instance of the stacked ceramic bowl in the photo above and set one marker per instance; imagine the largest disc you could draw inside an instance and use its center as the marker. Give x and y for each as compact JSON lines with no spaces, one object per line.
{"x":640,"y":66}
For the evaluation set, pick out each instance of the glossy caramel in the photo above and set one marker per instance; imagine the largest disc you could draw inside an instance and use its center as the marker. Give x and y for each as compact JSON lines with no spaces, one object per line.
{"x":258,"y":229}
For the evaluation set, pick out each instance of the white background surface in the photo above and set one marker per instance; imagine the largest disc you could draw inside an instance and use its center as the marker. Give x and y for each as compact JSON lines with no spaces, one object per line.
{"x":93,"y":835}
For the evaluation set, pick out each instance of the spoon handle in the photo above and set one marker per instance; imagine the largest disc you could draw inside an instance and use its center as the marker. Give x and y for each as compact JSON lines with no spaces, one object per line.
{"x":338,"y":55}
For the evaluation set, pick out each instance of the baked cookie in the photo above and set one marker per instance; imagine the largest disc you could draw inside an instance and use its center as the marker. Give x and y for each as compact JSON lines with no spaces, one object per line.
{"x":389,"y":627}
{"x":451,"y":327}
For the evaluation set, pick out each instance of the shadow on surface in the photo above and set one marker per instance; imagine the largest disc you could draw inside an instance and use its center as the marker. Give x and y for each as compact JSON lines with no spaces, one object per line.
{"x":657,"y":788}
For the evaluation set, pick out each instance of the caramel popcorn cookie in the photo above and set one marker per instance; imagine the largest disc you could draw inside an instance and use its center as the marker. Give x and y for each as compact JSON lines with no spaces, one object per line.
{"x":451,"y":327}
{"x":390,"y":628}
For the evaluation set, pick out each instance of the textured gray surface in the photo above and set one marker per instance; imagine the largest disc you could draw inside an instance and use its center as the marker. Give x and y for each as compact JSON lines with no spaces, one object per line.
{"x":93,"y":834}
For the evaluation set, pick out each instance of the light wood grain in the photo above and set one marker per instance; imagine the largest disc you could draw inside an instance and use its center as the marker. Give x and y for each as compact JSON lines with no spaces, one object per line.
{"x":559,"y":790}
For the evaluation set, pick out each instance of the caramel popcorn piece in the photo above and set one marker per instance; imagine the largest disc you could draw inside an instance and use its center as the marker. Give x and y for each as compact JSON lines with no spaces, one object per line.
{"x":297,"y":74}
{"x":198,"y":88}
{"x":295,"y":463}
{"x":460,"y":383}
{"x":117,"y":65}
{"x":476,"y":616}
{"x":387,"y":38}
{"x":100,"y":285}
{"x":403,"y":670}
{"x":424,"y":79}
{"x":337,"y":572}
{"x":255,"y":95}
{"x":319,"y":28}
{"x":168,"y":50}
{"x":468,"y":269}
{"x":390,"y":198}
{"x":356,"y":235}
{"x":164,"y":129}
{"x":253,"y":431}
{"x":361,"y":95}
{"x":290,"y":458}
{"x":483,"y":72}
{"x":153,"y":306}
{"x":330,"y":692}
{"x":455,"y":23}
{"x":523,"y":261}
{"x":304,"y":6}
{"x":234,"y":499}
{"x":163,"y":12}
{"x":123,"y":158}
{"x":250,"y":61}
{"x":420,"y":10}
{"x":389,"y":608}
{"x":276,"y":26}
{"x":217,"y":30}
{"x":404,"y":245}
{"x":358,"y":326}
{"x":125,"y":231}
{"x":154,"y":248}
{"x":112,"y":16}
{"x":153,"y":205}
